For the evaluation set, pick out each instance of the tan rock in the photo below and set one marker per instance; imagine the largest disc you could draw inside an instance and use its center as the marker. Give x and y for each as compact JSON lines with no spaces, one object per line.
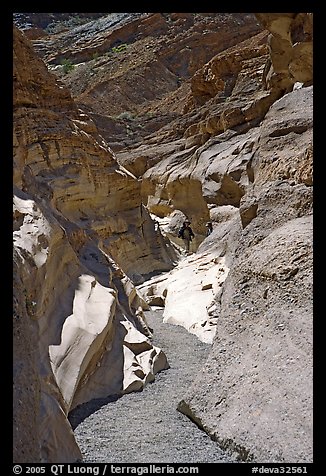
{"x":79,"y":217}
{"x":141,"y":360}
{"x":188,"y":292}
{"x":159,"y":54}
{"x":102,"y":195}
{"x":290,"y":43}
{"x":286,"y":140}
{"x":77,"y":323}
{"x":265,"y":303}
{"x":232,"y":158}
{"x":143,"y":157}
{"x":39,"y":244}
{"x":216,"y":174}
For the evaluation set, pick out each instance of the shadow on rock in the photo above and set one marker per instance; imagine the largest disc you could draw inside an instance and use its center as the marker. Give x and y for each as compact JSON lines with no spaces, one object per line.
{"x":78,"y":414}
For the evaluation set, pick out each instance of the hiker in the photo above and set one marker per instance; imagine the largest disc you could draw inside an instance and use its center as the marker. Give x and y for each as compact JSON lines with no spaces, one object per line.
{"x":186,"y":234}
{"x":209,"y":227}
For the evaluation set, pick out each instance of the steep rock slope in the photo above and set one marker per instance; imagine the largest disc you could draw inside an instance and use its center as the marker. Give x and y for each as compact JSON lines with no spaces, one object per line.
{"x":26,"y":380}
{"x":79,"y":175}
{"x":291,"y":48}
{"x":211,"y":165}
{"x":77,"y":217}
{"x":255,"y":392}
{"x":131,"y":71}
{"x":242,"y":157}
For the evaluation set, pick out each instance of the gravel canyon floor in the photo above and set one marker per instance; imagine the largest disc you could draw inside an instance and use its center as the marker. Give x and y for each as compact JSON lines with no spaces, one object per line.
{"x":145,"y":427}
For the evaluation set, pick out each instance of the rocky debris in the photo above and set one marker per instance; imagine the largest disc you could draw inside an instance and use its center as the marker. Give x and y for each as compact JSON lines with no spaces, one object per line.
{"x":239,"y":102}
{"x":228,"y":93}
{"x":290,"y":47}
{"x":157,"y":52}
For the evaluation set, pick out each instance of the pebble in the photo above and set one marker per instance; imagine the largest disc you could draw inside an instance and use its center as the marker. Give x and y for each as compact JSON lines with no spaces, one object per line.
{"x":146,"y":427}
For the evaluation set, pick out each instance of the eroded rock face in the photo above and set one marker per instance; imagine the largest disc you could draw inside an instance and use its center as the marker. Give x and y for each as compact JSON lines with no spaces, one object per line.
{"x":196,"y":180}
{"x":188,"y":293}
{"x":291,"y":48}
{"x":255,"y":393}
{"x":230,"y":92}
{"x":286,"y":140}
{"x":191,"y":293}
{"x":158,"y":52}
{"x":26,"y":382}
{"x":211,"y":164}
{"x":37,"y":399}
{"x":59,"y":155}
{"x":74,"y":302}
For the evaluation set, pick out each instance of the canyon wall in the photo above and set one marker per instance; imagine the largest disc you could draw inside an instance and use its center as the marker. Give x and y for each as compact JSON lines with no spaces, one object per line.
{"x":226,"y":136}
{"x":254,"y":394}
{"x":78,"y":218}
{"x":131,"y":72}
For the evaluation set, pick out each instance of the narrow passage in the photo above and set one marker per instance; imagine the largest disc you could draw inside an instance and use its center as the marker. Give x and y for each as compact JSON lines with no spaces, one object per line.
{"x":145,"y":427}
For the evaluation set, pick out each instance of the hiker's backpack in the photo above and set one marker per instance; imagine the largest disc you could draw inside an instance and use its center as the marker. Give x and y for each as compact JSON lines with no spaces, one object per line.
{"x":180,"y":233}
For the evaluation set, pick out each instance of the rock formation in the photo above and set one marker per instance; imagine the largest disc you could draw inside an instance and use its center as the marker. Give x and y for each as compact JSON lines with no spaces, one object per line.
{"x":255,"y":392}
{"x":156,"y":52}
{"x":188,"y":294}
{"x":290,"y":47}
{"x":260,"y":401}
{"x":226,"y":137}
{"x":78,"y":217}
{"x":208,"y":164}
{"x":245,"y":142}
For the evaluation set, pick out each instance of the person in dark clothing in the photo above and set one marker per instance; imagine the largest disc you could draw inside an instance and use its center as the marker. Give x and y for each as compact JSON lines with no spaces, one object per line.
{"x":186,"y":234}
{"x":209,"y":227}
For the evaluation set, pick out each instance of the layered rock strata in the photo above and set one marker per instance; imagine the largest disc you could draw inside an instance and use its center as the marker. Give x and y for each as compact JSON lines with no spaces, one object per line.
{"x":78,"y":220}
{"x":210,"y":165}
{"x":158,"y":53}
{"x":254,"y":394}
